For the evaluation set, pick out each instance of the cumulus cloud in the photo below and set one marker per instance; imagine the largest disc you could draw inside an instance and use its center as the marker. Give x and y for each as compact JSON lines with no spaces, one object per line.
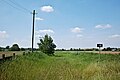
{"x":103,"y":26}
{"x":76,"y":30}
{"x":3,"y":34}
{"x":39,"y":19}
{"x":114,"y":36}
{"x":47,"y":9}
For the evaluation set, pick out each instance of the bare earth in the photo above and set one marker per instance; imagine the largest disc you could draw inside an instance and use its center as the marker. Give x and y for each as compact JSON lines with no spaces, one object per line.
{"x":109,"y":52}
{"x":10,"y":53}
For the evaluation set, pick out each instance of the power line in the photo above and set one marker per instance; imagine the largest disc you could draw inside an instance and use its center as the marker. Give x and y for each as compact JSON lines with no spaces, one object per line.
{"x":20,"y":6}
{"x":10,"y":4}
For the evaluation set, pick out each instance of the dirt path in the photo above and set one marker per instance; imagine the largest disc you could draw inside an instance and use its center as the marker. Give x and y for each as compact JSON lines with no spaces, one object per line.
{"x":10,"y":53}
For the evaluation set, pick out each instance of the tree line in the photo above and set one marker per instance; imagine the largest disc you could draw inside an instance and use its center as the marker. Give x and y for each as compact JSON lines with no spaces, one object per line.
{"x":47,"y":46}
{"x":90,"y":49}
{"x":15,"y":47}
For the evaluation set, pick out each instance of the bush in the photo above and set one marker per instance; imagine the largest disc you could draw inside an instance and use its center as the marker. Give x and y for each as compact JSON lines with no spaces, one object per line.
{"x":46,"y":45}
{"x":15,"y":47}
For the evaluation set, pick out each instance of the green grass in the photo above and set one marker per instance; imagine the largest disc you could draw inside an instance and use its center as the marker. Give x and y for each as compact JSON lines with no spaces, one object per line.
{"x":62,"y":66}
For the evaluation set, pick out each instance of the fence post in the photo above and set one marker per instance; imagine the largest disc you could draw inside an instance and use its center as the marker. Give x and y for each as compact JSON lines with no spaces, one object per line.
{"x":23,"y":53}
{"x":3,"y":56}
{"x":13,"y":55}
{"x":28,"y":52}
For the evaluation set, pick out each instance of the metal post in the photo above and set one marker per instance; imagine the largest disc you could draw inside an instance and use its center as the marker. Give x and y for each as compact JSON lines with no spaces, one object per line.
{"x":99,"y":54}
{"x":99,"y":50}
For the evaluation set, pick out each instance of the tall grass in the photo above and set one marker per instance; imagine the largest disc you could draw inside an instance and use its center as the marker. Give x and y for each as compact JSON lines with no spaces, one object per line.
{"x":62,"y":66}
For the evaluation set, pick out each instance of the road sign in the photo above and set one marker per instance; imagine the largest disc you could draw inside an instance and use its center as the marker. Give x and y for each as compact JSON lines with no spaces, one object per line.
{"x":99,"y":45}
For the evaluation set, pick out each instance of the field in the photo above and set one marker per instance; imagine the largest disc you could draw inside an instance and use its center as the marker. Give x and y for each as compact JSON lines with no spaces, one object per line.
{"x":62,"y":66}
{"x":10,"y":53}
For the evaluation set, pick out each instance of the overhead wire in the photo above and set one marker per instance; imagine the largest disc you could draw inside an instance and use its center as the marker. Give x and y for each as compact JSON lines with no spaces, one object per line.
{"x":10,"y":4}
{"x":18,"y":6}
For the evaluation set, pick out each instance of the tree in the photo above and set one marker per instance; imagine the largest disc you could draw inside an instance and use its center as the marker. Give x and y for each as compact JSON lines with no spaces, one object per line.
{"x":15,"y":47}
{"x":1,"y":48}
{"x":46,"y":45}
{"x":22,"y":49}
{"x":7,"y":47}
{"x":71,"y":49}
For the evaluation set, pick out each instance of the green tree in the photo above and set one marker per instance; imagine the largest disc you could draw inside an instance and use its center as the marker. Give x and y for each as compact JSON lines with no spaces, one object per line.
{"x":46,"y":45}
{"x":7,"y":47}
{"x":15,"y":47}
{"x":1,"y":48}
{"x":22,"y":49}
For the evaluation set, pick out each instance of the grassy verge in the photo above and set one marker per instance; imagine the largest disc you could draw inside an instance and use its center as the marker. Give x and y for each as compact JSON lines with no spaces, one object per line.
{"x":62,"y":66}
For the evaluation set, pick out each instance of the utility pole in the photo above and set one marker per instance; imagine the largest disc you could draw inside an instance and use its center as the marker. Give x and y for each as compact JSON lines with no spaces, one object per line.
{"x":33,"y":29}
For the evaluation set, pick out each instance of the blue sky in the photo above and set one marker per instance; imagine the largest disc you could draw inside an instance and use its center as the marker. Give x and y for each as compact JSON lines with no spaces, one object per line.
{"x":71,"y":23}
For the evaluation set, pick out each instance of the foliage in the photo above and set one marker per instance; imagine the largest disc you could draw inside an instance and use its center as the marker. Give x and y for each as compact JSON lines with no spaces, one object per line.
{"x":2,"y":49}
{"x":22,"y":49}
{"x":46,"y":45}
{"x":110,"y":49}
{"x":62,"y":66}
{"x":15,"y":47}
{"x":7,"y":47}
{"x":78,"y":49}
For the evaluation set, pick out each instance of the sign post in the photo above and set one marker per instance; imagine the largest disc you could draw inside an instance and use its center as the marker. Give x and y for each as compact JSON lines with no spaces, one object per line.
{"x":99,"y":45}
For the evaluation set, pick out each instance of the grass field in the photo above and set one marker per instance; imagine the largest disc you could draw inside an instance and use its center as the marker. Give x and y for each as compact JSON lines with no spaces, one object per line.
{"x":62,"y":66}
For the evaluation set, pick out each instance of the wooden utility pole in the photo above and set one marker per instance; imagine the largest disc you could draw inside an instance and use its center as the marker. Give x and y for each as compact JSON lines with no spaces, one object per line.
{"x":33,"y":29}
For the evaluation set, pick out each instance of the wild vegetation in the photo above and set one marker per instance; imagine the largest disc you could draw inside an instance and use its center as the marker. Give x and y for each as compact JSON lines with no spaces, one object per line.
{"x":62,"y":66}
{"x":46,"y":45}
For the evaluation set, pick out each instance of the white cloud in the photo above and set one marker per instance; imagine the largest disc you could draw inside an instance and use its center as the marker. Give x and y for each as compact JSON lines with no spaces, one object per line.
{"x":103,"y":26}
{"x":43,"y":32}
{"x":47,"y":9}
{"x":39,"y":19}
{"x":79,"y":35}
{"x":22,"y":42}
{"x":76,"y":30}
{"x":114,"y":36}
{"x":3,"y":34}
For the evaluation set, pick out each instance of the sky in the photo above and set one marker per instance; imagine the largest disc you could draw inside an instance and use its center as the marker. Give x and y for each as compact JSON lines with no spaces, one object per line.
{"x":71,"y":23}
